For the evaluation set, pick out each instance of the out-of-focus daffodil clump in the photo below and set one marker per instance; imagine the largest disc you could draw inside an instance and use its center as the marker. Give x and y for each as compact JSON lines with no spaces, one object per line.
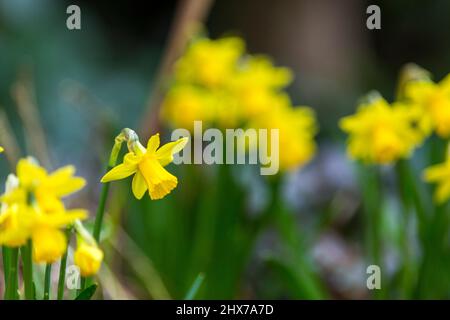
{"x":389,"y":134}
{"x":218,"y":83}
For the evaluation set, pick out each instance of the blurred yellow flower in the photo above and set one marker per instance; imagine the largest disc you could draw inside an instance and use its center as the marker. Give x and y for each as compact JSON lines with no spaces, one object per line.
{"x":209,"y":62}
{"x":380,"y":133}
{"x":439,"y":174}
{"x":1,"y":149}
{"x":48,"y":188}
{"x":49,"y":245}
{"x":297,"y":128}
{"x":15,"y":225}
{"x":49,"y":242}
{"x":433,"y":99}
{"x":88,"y":258}
{"x":147,"y":165}
{"x":257,"y":84}
{"x":185,"y":104}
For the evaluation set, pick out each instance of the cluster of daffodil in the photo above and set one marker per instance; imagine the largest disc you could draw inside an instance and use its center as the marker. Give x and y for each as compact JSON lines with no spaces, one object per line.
{"x":383,"y":133}
{"x":34,"y":218}
{"x":218,"y":83}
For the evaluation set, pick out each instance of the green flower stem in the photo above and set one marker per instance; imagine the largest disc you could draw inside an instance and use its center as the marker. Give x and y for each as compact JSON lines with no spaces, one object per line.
{"x":47,"y":280}
{"x":11,"y":290}
{"x":5,"y":257}
{"x":371,"y":193}
{"x":126,"y":135}
{"x":26,"y":252}
{"x":123,"y":136}
{"x":62,"y":269}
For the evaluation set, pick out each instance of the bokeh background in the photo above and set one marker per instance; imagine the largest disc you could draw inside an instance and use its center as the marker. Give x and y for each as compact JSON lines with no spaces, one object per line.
{"x":65,"y":94}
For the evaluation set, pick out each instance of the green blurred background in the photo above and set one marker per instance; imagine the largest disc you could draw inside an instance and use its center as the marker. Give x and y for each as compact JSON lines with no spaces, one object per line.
{"x":89,"y":84}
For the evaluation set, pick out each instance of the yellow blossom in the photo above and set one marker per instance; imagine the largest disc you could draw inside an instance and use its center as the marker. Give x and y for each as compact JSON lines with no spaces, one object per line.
{"x":88,"y":258}
{"x":15,"y":225}
{"x":147,"y":165}
{"x":1,"y":149}
{"x":439,"y":174}
{"x":48,"y":188}
{"x":297,"y":128}
{"x":380,"y":133}
{"x":256,"y":85}
{"x":209,"y":62}
{"x":49,"y":242}
{"x":185,"y":104}
{"x":434,"y":101}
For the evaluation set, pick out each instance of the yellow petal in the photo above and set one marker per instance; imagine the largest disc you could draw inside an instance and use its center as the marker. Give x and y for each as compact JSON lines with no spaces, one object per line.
{"x":166,"y":152}
{"x":119,"y":172}
{"x":436,"y":173}
{"x":159,"y":181}
{"x":153,"y":143}
{"x":442,"y":193}
{"x":49,"y":244}
{"x":139,"y":186}
{"x":1,"y":149}
{"x":61,"y":218}
{"x":29,"y":173}
{"x":88,"y":258}
{"x":62,"y":182}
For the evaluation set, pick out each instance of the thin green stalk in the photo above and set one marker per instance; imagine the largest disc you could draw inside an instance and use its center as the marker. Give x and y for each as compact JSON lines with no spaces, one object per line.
{"x":408,"y":269}
{"x":5,"y":256}
{"x":47,"y":280}
{"x":101,"y":210}
{"x":371,"y":192}
{"x":27,"y":270}
{"x":62,"y":269}
{"x":11,"y":290}
{"x":195,"y":287}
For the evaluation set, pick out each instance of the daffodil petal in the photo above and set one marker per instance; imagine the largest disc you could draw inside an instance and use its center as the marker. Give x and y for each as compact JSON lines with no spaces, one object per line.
{"x":139,"y":186}
{"x":435,"y":173}
{"x":166,"y":152}
{"x":153,"y":143}
{"x":442,"y":192}
{"x":119,"y":172}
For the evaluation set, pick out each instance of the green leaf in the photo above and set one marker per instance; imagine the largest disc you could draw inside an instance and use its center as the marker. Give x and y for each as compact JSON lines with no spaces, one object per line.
{"x":87,"y":293}
{"x":195,"y":287}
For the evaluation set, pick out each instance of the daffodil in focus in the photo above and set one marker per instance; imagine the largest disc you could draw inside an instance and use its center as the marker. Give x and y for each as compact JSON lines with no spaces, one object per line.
{"x":88,"y":258}
{"x":380,"y":133}
{"x":439,"y":174}
{"x":433,"y":99}
{"x":147,"y":165}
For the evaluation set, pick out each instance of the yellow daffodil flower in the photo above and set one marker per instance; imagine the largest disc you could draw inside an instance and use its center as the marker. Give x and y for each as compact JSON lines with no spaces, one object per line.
{"x":380,"y":133}
{"x":297,"y":128}
{"x":434,"y":101}
{"x":439,"y":174}
{"x":48,"y":188}
{"x":16,"y":223}
{"x":185,"y":104}
{"x":88,"y":258}
{"x":147,"y":165}
{"x":209,"y":62}
{"x":49,"y":242}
